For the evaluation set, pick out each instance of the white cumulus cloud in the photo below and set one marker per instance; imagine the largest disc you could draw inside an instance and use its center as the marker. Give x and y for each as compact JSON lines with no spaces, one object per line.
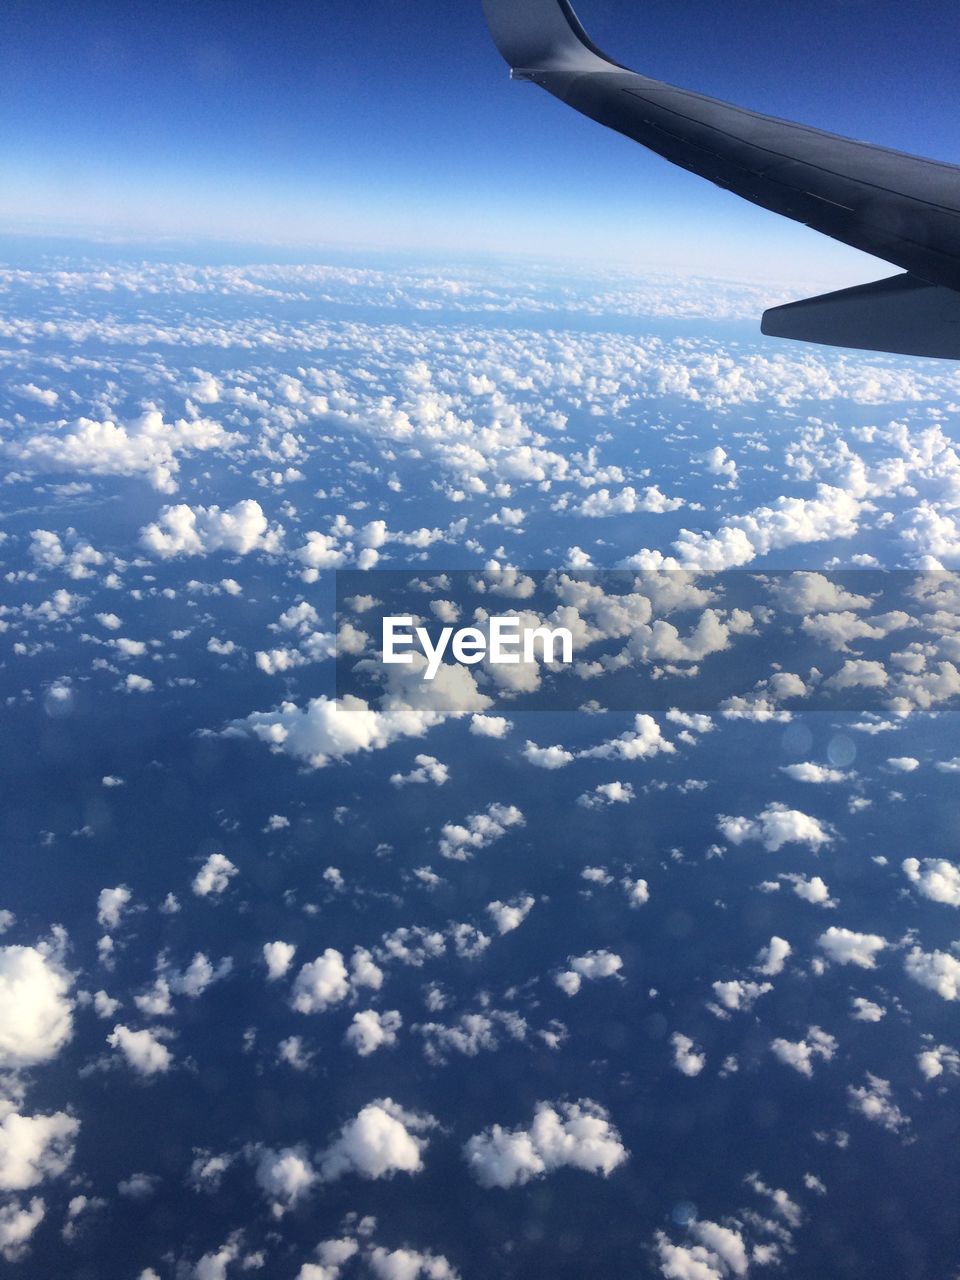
{"x":197,"y":531}
{"x":576,"y":1135}
{"x":774,"y":827}
{"x":935,"y":878}
{"x":381,"y":1140}
{"x":36,"y":1011}
{"x":845,"y":946}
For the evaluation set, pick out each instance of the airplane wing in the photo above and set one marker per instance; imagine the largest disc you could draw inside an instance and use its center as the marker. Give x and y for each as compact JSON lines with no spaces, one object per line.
{"x":901,"y":314}
{"x":898,"y":207}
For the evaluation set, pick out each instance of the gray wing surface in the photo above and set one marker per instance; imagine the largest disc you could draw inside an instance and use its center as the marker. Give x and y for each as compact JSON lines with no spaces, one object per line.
{"x":898,"y":207}
{"x":901,"y":314}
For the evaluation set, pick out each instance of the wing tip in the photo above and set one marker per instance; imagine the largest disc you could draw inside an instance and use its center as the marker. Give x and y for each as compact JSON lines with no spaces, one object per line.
{"x":542,"y":35}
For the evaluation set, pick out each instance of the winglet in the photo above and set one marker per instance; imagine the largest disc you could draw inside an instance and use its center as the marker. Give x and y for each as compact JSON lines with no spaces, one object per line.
{"x":543,"y":35}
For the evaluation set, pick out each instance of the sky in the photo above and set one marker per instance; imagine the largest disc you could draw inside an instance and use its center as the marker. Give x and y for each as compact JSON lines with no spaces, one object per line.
{"x":394,"y":125}
{"x":437,"y":986}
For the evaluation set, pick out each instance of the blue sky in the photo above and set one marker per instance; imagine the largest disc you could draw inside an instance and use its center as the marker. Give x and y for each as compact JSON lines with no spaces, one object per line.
{"x":393,"y":125}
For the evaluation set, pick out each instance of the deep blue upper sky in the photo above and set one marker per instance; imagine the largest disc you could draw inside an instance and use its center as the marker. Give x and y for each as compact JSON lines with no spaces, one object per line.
{"x":394,"y":124}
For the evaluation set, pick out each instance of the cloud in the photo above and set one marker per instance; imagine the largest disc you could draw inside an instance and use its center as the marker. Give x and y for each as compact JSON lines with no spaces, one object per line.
{"x":933,"y":1062}
{"x":602,"y":503}
{"x":276,"y":661}
{"x":460,"y":841}
{"x":381,"y":1140}
{"x":412,"y":946}
{"x":321,"y":551}
{"x":844,"y":946}
{"x":330,"y":729}
{"x":903,"y":764}
{"x":718,"y":463}
{"x":832,"y":514}
{"x":772,"y":958}
{"x":41,"y":395}
{"x":409,"y":1264}
{"x":800,"y":1054}
{"x":216,"y":1265}
{"x":593,"y":965}
{"x":467,"y":940}
{"x":379,"y":1262}
{"x":738,"y":995}
{"x":490,"y":726}
{"x":866,"y":1010}
{"x":813,"y":890}
{"x":938,"y":971}
{"x":716,"y":1251}
{"x":839,"y":630}
{"x":428,"y":769}
{"x":875,"y":1101}
{"x":607,"y":793}
{"x":859,"y":673}
{"x":371,"y":1030}
{"x":555,"y":757}
{"x":144,"y":1050}
{"x":284,"y":1176}
{"x":17,"y":1225}
{"x":815,"y":773}
{"x":762,"y":704}
{"x":77,"y":562}
{"x":214,"y":876}
{"x":663,"y":642}
{"x":325,"y":982}
{"x":935,"y":879}
{"x":36,"y":1011}
{"x":566,"y":1135}
{"x":208,"y":1168}
{"x":111,"y":904}
{"x":471,"y":1034}
{"x":933,"y":535}
{"x":294,"y":1053}
{"x":278,"y":957}
{"x":138,"y":1186}
{"x":776,"y":826}
{"x":780,"y":1202}
{"x":206,"y":390}
{"x":508,"y":916}
{"x":642,"y":742}
{"x":719,"y":1251}
{"x":146,"y":447}
{"x":363,"y":971}
{"x":807,"y":593}
{"x":637,"y":891}
{"x":332,"y":1254}
{"x":198,"y":531}
{"x":321,"y":983}
{"x":137,"y":684}
{"x":198,"y":975}
{"x":34,"y":1148}
{"x":686,"y":1058}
